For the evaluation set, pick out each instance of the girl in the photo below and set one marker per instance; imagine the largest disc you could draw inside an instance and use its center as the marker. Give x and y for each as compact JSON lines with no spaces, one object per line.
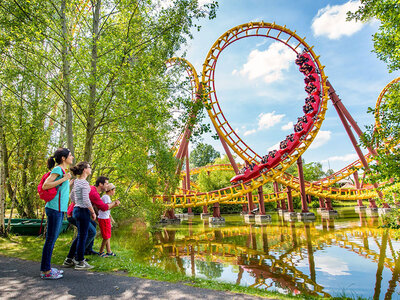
{"x":105,"y":219}
{"x":55,"y":208}
{"x":83,"y":212}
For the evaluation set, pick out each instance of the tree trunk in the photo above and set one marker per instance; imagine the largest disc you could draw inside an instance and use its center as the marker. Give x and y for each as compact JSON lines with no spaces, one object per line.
{"x":66,"y":79}
{"x":2,"y":177}
{"x":91,"y":109}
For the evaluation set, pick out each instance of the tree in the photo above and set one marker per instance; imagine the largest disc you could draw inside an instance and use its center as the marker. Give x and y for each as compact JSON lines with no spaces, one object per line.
{"x":90,"y":75}
{"x":386,"y":40}
{"x":387,"y":47}
{"x":385,"y":138}
{"x":312,"y":171}
{"x":217,"y":179}
{"x":203,"y":155}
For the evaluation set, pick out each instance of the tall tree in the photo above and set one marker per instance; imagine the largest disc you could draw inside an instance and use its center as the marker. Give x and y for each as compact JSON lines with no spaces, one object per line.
{"x":203,"y":155}
{"x":93,"y":71}
{"x":387,"y":47}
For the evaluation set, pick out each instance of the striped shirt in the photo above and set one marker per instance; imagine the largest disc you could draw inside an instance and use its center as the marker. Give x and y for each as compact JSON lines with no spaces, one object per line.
{"x":80,"y":193}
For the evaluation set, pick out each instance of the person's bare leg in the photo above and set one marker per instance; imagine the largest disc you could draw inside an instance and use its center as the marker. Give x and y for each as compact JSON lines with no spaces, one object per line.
{"x":103,"y":244}
{"x":108,"y":246}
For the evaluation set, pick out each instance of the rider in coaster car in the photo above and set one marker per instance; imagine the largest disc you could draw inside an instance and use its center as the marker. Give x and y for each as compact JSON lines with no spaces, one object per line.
{"x":310,"y":88}
{"x":306,"y":69}
{"x":290,"y":137}
{"x":283,"y":144}
{"x":307,"y":108}
{"x":310,"y":99}
{"x":252,"y":165}
{"x":310,"y":78}
{"x":300,"y":59}
{"x":272,"y":153}
{"x":299,"y":126}
{"x":264,"y":159}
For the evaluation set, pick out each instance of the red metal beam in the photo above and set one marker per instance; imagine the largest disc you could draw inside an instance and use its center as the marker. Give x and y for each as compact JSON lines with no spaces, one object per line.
{"x":304,"y":206}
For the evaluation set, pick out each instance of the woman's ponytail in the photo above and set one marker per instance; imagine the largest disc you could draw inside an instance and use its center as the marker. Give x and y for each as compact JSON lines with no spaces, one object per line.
{"x":57,"y":157}
{"x":51,"y":163}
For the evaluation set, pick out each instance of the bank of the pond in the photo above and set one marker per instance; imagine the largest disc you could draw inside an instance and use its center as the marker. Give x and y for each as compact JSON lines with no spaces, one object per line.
{"x":30,"y":248}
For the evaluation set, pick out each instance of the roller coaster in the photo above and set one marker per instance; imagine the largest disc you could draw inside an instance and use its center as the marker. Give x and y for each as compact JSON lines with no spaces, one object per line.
{"x":271,"y":167}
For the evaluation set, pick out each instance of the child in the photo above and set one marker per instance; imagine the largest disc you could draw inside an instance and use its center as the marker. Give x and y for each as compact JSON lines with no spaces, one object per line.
{"x":104,"y":218}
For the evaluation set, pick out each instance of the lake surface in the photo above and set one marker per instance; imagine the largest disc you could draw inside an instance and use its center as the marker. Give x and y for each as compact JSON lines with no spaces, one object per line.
{"x":348,"y":255}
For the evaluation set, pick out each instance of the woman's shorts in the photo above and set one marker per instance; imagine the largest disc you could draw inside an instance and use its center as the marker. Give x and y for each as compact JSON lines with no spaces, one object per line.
{"x":105,"y":228}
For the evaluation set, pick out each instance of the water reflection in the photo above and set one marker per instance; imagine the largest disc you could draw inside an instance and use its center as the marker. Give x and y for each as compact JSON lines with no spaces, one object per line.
{"x":326,"y":257}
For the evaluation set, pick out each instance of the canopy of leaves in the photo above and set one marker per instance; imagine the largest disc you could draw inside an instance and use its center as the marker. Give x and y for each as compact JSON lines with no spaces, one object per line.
{"x":203,"y":155}
{"x":112,"y":59}
{"x":386,"y":40}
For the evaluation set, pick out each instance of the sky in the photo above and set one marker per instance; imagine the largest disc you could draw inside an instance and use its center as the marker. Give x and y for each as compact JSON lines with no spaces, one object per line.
{"x":259,"y":87}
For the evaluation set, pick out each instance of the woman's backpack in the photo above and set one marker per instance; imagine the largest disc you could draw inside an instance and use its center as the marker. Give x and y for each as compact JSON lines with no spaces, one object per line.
{"x":47,"y":195}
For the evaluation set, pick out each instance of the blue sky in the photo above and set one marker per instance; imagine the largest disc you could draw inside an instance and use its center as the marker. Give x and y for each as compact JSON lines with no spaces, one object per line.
{"x":260,"y":88}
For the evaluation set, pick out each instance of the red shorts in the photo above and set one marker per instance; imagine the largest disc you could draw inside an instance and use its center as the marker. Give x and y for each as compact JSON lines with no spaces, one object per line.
{"x":105,"y":228}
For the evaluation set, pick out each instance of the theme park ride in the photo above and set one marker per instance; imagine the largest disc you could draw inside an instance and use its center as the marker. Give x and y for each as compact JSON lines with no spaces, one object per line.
{"x":261,"y":169}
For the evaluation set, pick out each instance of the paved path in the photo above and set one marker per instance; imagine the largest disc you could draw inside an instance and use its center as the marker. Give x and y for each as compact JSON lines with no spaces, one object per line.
{"x":19,"y":279}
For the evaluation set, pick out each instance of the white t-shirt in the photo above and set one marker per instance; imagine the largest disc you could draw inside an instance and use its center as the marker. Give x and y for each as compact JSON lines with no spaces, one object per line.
{"x":104,"y":214}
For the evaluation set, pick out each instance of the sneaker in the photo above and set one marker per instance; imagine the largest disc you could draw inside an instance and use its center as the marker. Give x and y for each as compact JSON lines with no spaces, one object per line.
{"x":57,"y":270}
{"x":69,"y":263}
{"x":83,"y":265}
{"x":51,"y":275}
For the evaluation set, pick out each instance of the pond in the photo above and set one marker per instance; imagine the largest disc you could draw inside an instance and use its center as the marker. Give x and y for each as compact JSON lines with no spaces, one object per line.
{"x":348,"y":254}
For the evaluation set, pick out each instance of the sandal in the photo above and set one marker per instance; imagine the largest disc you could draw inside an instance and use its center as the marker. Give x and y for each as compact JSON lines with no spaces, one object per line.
{"x":102,"y":254}
{"x":111,"y":254}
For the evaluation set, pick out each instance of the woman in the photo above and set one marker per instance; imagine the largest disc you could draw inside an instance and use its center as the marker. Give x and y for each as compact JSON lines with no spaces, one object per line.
{"x":55,"y":208}
{"x":83,"y":212}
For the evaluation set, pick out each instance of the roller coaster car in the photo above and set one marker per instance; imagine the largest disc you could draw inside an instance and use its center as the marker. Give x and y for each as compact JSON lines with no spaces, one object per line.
{"x":313,"y":98}
{"x":308,"y":121}
{"x":312,"y":77}
{"x":248,"y":174}
{"x":293,"y":140}
{"x":307,"y":68}
{"x":301,"y":59}
{"x":312,"y":88}
{"x":310,"y":109}
{"x":273,"y":158}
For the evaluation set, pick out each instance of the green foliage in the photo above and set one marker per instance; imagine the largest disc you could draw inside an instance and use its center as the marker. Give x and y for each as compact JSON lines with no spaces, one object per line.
{"x":385,"y":138}
{"x":217,"y":179}
{"x":203,"y":155}
{"x":386,"y":40}
{"x":312,"y":171}
{"x":122,"y":98}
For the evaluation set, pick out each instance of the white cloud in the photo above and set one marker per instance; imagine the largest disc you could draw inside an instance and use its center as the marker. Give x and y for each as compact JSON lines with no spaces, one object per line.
{"x":268,"y":64}
{"x":267,"y":120}
{"x":204,"y":2}
{"x":288,"y":126}
{"x":331,"y":265}
{"x":274,"y":147}
{"x":248,"y":132}
{"x":344,"y":158}
{"x":321,"y":138}
{"x":234,"y":72}
{"x":331,"y":21}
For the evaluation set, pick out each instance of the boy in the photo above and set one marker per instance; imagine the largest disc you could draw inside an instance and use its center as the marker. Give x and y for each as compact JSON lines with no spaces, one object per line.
{"x":104,"y":219}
